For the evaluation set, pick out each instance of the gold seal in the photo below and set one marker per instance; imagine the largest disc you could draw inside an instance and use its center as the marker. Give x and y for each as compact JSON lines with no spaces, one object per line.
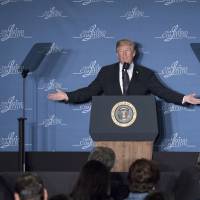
{"x":124,"y":114}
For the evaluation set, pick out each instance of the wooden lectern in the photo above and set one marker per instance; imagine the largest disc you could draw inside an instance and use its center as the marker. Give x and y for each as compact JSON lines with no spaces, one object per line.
{"x":130,"y":142}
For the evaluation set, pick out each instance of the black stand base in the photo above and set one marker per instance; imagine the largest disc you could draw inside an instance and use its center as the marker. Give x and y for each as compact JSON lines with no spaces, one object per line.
{"x":22,"y":164}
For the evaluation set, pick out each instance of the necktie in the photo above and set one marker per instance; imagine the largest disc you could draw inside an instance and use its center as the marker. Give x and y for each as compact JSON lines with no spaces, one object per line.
{"x":125,"y":77}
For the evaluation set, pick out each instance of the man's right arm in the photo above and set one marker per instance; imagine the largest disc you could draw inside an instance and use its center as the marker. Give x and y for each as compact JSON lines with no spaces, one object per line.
{"x":81,"y":95}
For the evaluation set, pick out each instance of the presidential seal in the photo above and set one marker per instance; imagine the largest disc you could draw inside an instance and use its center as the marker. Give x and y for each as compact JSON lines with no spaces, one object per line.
{"x":123,"y":114}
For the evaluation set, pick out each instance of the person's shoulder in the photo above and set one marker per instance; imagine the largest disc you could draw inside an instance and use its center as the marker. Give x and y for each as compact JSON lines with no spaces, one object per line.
{"x":109,"y":67}
{"x":109,"y":198}
{"x":191,"y":171}
{"x":143,"y":69}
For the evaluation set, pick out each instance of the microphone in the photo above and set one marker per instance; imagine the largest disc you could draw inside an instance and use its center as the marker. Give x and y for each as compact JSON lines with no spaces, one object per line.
{"x":126,"y":66}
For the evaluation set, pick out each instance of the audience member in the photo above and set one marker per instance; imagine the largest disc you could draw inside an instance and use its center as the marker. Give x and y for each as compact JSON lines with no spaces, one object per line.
{"x":106,"y":155}
{"x":93,"y":182}
{"x":30,"y":187}
{"x":142,"y":177}
{"x":187,"y":186}
{"x":5,"y":191}
{"x":60,"y":197}
{"x":103,"y":154}
{"x":155,"y":196}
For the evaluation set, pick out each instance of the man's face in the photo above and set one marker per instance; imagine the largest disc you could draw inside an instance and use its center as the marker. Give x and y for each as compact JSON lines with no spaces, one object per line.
{"x":125,"y":53}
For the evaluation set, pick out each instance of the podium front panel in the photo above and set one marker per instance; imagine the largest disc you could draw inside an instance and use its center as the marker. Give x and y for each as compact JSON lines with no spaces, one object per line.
{"x":102,"y":127}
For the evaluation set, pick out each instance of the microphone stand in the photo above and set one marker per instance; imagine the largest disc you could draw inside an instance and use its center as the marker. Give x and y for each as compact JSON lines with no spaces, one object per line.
{"x":21,"y":125}
{"x":30,"y":64}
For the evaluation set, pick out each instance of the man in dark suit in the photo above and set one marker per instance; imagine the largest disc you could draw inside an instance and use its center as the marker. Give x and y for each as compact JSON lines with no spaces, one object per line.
{"x":124,"y":78}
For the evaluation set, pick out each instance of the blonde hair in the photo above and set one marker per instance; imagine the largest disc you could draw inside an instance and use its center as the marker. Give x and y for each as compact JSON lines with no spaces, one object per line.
{"x":125,"y":42}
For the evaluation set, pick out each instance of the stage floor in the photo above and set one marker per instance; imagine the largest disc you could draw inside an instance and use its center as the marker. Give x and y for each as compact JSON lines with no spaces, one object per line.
{"x":73,"y":161}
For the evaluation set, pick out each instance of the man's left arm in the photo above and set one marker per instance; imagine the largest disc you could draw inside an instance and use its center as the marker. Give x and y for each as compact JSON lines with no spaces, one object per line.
{"x":159,"y":89}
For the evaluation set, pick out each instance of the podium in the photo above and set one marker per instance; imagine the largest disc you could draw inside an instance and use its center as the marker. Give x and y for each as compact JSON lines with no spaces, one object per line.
{"x":126,"y":124}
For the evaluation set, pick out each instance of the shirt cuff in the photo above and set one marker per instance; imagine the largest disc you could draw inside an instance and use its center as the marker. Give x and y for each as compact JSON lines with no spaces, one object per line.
{"x":183,"y":101}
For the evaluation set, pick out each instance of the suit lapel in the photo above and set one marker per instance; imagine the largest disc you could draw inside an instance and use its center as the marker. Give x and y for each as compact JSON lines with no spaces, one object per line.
{"x":116,"y":79}
{"x":135,"y":74}
{"x":134,"y":77}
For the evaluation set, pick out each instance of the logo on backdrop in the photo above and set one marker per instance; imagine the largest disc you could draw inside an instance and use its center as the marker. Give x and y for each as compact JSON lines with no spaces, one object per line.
{"x":175,"y":69}
{"x":134,"y":13}
{"x":176,"y":33}
{"x":85,"y":143}
{"x":51,"y":85}
{"x":52,"y":121}
{"x":93,"y":33}
{"x":56,"y":49}
{"x":87,"y":2}
{"x":5,"y":2}
{"x":11,"y":68}
{"x":176,"y":141}
{"x":170,"y":2}
{"x":52,"y":13}
{"x":86,"y":108}
{"x":170,"y":107}
{"x":91,"y":70}
{"x":10,"y":141}
{"x":13,"y":33}
{"x":11,"y":105}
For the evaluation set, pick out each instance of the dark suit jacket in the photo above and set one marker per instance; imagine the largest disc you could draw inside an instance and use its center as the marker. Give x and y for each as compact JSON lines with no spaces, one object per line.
{"x":6,"y":191}
{"x":143,"y":82}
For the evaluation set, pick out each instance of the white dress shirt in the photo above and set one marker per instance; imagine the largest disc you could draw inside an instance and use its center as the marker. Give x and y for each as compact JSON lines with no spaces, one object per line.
{"x":130,"y":74}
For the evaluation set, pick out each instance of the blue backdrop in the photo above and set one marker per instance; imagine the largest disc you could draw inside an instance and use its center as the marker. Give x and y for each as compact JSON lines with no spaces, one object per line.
{"x":84,"y":33}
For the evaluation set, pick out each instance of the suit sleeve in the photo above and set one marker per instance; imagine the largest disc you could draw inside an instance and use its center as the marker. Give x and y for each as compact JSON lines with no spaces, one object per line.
{"x":85,"y":94}
{"x":158,"y":89}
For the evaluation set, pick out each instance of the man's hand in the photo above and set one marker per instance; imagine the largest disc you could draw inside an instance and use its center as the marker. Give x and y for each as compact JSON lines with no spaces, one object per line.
{"x":58,"y":96}
{"x":191,"y":99}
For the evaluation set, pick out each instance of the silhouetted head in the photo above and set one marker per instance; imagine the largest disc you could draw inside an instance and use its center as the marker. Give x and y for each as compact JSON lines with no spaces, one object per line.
{"x":143,"y":175}
{"x":93,"y":182}
{"x":103,"y":154}
{"x":30,"y":187}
